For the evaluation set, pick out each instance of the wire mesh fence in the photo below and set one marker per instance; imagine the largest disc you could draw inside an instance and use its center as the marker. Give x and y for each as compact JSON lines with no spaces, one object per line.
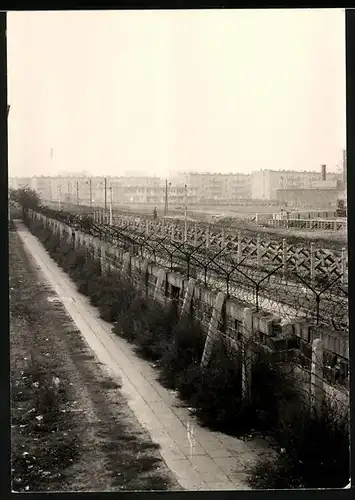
{"x":321,"y":372}
{"x":271,"y":286}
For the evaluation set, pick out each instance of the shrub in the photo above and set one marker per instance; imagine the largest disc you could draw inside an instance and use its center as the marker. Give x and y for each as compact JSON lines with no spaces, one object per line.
{"x":129,"y":317}
{"x":153,"y":332}
{"x":65,"y":249}
{"x":184,"y":350}
{"x":111,"y":295}
{"x":88,"y":271}
{"x":187,"y":383}
{"x":217,"y":395}
{"x":76,"y":260}
{"x":314,"y":451}
{"x":94,"y":290}
{"x":272,"y":390}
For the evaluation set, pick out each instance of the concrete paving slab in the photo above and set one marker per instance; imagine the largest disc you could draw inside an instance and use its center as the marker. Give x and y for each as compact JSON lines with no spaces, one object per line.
{"x":229,"y":465}
{"x":220,"y":486}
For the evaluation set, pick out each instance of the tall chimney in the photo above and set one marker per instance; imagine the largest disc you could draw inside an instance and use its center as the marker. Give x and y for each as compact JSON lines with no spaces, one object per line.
{"x":324,"y":172}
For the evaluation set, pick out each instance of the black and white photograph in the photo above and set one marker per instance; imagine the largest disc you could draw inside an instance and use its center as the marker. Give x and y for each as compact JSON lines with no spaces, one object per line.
{"x":178,"y":250}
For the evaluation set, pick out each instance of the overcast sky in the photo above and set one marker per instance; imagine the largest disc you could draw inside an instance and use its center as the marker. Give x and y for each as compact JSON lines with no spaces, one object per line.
{"x":152,"y":92}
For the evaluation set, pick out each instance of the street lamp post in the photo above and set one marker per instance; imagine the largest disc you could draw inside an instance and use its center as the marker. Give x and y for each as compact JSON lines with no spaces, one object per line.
{"x":185,"y":232}
{"x":166,"y":197}
{"x":59,"y":196}
{"x":110,"y":188}
{"x":90,"y":191}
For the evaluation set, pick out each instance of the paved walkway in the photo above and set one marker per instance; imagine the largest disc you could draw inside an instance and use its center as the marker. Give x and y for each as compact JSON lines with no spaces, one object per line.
{"x":199,"y":458}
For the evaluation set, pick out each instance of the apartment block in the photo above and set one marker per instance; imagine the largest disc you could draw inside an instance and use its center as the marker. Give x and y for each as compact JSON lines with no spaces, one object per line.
{"x":213,"y":187}
{"x":266,"y":183}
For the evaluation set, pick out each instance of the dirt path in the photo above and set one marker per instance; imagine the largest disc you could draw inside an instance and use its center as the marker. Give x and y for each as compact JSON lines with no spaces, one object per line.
{"x":91,"y":441}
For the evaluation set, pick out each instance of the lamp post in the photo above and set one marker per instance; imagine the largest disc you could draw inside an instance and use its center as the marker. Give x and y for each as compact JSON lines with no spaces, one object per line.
{"x":185,"y":232}
{"x":59,"y":187}
{"x":77,"y":193}
{"x":110,"y":188}
{"x":90,"y":191}
{"x":166,"y":197}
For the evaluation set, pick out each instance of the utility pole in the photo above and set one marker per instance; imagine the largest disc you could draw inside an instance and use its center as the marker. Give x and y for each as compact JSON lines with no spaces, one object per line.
{"x":90,"y":187}
{"x":166,"y":198}
{"x":59,"y":196}
{"x":110,"y":188}
{"x":77,"y":193}
{"x":105,"y":194}
{"x":185,"y":232}
{"x":69,"y":192}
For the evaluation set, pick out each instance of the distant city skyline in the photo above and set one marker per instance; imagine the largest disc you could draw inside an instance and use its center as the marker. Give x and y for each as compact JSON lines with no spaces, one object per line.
{"x":157,"y":92}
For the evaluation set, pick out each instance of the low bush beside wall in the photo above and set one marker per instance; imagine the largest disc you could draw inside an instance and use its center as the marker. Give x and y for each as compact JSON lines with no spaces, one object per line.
{"x":313,"y":451}
{"x":304,"y":441}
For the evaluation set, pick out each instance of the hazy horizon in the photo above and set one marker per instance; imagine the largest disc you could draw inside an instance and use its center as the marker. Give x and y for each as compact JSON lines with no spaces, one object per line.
{"x":155,"y":92}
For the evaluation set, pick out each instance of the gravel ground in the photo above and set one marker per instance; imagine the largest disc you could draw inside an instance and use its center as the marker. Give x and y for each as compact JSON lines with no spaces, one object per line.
{"x":72,"y":429}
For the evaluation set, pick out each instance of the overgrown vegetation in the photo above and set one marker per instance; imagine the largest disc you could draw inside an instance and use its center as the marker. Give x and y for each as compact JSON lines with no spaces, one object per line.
{"x":25,"y":197}
{"x":68,"y":417}
{"x":42,"y":401}
{"x":313,"y":450}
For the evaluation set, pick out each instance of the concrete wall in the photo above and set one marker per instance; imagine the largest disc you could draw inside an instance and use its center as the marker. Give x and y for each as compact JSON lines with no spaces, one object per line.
{"x":230,"y":318}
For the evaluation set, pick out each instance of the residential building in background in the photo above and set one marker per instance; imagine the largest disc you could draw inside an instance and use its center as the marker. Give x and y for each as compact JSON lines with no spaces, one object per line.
{"x":316,"y":189}
{"x":213,"y":187}
{"x":266,"y":183}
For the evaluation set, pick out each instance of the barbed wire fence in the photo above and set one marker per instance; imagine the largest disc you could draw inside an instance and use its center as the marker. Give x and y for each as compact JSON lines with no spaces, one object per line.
{"x":322,"y":373}
{"x":290,"y":294}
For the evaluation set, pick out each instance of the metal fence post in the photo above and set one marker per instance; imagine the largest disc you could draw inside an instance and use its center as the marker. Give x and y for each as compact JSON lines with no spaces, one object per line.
{"x":223,"y":238}
{"x":240,"y":249}
{"x":313,"y":261}
{"x":284,"y":255}
{"x":195,"y":235}
{"x":258,"y":250}
{"x":103,"y":259}
{"x":246,"y":353}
